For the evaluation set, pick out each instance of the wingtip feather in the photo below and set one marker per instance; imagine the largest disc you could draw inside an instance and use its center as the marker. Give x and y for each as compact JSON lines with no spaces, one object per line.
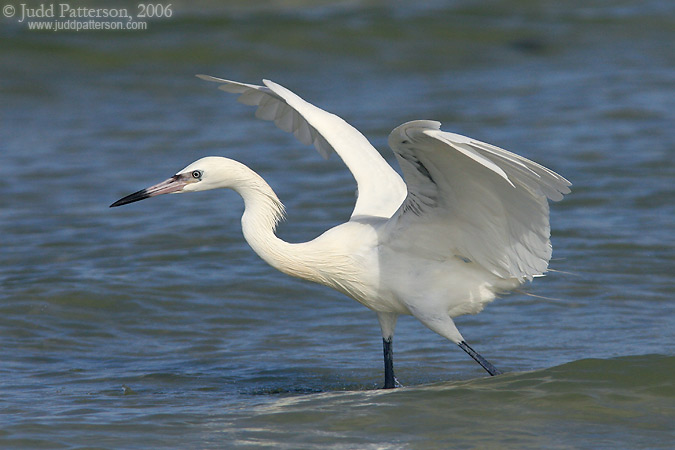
{"x":209,"y":78}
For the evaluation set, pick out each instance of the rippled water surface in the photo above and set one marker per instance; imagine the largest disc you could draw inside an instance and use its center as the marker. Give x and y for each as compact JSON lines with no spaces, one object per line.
{"x":156,"y":326}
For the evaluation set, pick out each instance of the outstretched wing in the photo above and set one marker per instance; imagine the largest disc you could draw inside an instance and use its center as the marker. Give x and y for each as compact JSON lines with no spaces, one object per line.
{"x":380,"y":189}
{"x":474,"y":201}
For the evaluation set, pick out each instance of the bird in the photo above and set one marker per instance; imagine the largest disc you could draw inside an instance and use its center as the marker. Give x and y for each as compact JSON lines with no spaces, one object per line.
{"x":466,"y":223}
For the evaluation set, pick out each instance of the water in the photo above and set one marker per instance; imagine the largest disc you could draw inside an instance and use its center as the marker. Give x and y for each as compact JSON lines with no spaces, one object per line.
{"x":155,"y":326}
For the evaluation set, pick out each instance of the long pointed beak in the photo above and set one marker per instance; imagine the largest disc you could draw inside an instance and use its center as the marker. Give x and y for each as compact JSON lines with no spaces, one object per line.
{"x":173,"y":184}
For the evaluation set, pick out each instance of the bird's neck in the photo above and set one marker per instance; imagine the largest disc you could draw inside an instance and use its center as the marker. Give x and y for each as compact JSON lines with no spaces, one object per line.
{"x":262,"y":212}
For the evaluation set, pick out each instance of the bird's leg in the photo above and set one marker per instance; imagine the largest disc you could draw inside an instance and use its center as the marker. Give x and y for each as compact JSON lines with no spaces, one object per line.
{"x":390,"y":380}
{"x":388,"y":324}
{"x":485,"y":364}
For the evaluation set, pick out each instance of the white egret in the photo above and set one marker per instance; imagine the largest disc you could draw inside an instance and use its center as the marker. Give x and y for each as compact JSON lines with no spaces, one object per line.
{"x":470,"y":221}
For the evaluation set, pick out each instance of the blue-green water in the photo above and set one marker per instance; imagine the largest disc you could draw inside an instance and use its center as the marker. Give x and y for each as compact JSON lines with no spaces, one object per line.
{"x":155,"y":326}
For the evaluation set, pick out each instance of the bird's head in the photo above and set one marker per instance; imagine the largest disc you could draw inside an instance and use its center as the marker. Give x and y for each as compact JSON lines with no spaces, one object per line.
{"x":207,"y":173}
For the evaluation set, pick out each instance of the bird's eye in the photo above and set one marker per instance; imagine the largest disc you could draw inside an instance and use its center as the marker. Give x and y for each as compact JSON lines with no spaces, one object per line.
{"x":197,"y":174}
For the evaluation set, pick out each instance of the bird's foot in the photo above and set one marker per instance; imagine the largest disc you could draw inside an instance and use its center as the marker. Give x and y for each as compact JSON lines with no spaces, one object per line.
{"x":392,"y":384}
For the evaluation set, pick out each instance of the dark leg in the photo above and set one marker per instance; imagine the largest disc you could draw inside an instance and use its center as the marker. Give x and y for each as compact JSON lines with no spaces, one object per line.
{"x":390,"y":380}
{"x":485,"y":364}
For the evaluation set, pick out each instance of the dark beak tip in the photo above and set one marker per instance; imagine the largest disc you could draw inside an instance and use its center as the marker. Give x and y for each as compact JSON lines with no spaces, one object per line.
{"x":136,"y":196}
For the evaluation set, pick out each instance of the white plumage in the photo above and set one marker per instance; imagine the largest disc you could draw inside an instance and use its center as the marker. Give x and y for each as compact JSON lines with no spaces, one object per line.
{"x":470,"y":221}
